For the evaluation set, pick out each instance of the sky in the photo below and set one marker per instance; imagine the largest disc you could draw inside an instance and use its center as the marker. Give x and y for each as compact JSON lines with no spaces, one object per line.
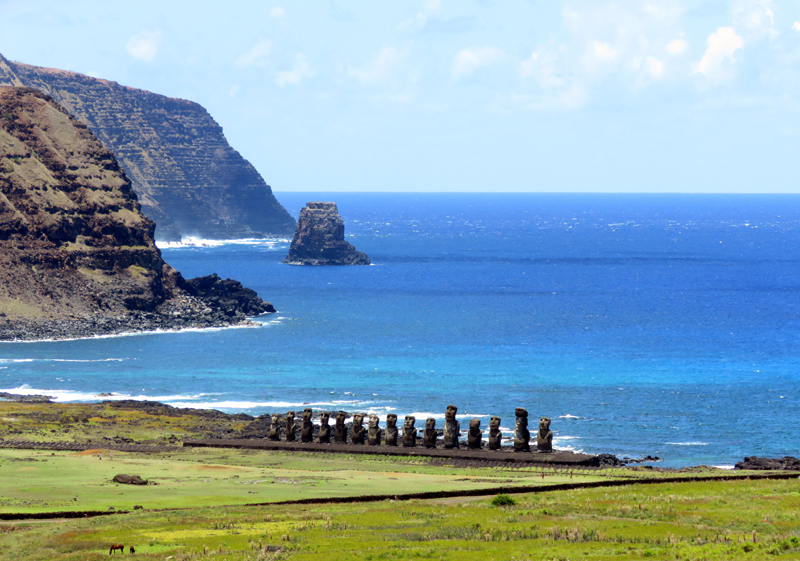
{"x":459,"y":95}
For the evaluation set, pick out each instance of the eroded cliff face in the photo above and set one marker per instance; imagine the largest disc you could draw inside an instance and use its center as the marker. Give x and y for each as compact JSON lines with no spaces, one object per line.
{"x":319,"y":239}
{"x":75,"y":249}
{"x":186,"y":175}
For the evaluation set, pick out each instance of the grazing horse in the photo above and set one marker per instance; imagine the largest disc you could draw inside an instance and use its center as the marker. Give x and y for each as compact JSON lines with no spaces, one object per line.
{"x":119,"y":546}
{"x":133,"y":550}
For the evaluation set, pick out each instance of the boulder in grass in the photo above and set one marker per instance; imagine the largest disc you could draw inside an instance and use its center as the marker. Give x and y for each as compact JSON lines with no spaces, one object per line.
{"x":129,"y":479}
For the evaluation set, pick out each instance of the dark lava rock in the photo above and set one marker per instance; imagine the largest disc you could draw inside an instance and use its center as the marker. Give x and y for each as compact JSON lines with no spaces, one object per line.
{"x":228,"y":295}
{"x":26,"y":398}
{"x":319,"y":239}
{"x":607,"y":460}
{"x":787,"y":463}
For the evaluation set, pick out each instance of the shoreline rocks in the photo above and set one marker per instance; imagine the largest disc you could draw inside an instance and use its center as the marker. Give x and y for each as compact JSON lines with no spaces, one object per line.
{"x":319,"y":239}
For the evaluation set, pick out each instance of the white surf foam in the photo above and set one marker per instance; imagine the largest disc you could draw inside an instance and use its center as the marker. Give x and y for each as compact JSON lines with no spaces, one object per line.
{"x":687,"y":443}
{"x":252,"y":324}
{"x":194,"y":242}
{"x":568,"y":416}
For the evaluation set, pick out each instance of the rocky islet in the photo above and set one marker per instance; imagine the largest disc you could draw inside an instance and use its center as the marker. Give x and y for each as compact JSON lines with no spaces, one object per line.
{"x":319,"y":239}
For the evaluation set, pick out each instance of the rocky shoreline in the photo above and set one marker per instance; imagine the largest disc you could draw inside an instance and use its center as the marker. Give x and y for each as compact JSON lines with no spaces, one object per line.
{"x":206,"y":302}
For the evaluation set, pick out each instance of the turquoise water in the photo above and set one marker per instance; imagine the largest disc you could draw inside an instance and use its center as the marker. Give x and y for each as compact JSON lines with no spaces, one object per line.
{"x":641,"y":324}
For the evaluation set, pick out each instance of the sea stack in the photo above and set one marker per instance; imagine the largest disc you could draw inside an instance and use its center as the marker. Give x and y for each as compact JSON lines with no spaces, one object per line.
{"x":77,"y":256}
{"x":319,"y":239}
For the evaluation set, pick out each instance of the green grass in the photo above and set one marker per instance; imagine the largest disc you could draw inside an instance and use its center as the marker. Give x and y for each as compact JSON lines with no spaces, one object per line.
{"x":710,"y":520}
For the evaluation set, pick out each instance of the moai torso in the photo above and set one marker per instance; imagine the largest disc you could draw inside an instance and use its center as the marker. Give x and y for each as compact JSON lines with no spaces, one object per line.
{"x":391,"y":430}
{"x":374,"y":434}
{"x":544,"y":439}
{"x":431,"y":434}
{"x":452,"y":428}
{"x":522,"y":435}
{"x":409,"y":432}
{"x":290,"y":427}
{"x":340,"y":429}
{"x":475,"y":435}
{"x":359,"y":430}
{"x":275,"y":428}
{"x":495,"y":436}
{"x":324,"y":435}
{"x":307,"y":430}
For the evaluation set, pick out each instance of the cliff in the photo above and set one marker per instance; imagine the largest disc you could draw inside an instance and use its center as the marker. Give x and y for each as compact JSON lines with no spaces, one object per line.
{"x":188,"y":178}
{"x":76,"y":253}
{"x":319,"y":239}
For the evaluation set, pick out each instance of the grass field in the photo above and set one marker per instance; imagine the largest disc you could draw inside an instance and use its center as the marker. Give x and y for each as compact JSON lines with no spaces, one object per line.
{"x":195,"y":506}
{"x":711,"y":520}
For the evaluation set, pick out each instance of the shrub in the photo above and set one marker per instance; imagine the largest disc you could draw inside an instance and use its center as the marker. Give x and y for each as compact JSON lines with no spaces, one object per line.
{"x":503,"y":500}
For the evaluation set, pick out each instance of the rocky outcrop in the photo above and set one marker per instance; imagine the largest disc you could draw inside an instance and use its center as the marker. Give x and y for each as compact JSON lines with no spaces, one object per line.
{"x":788,"y":463}
{"x":319,"y":239}
{"x":188,"y":178}
{"x":77,"y":256}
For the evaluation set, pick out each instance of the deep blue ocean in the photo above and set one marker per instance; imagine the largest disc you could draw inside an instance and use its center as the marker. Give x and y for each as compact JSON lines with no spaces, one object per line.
{"x":641,"y":324}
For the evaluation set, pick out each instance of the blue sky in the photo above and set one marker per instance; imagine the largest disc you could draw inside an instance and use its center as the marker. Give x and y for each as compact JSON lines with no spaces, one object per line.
{"x":446,"y":95}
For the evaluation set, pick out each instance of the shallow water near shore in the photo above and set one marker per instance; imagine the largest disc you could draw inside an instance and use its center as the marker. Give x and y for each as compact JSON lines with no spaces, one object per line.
{"x":641,"y":324}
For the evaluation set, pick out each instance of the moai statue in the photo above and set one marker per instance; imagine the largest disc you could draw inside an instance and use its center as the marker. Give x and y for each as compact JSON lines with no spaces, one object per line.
{"x":544,"y":439}
{"x":275,"y":428}
{"x":374,"y":433}
{"x":495,"y":436}
{"x":522,"y":435}
{"x":431,"y":434}
{"x":391,"y":429}
{"x":290,"y":426}
{"x":307,"y":429}
{"x":474,"y":435}
{"x":324,"y":436}
{"x":359,"y":430}
{"x":409,"y":432}
{"x":452,"y":428}
{"x":340,"y":429}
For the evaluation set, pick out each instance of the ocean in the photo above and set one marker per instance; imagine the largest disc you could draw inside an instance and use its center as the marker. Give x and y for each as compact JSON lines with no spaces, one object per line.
{"x":663,"y":325}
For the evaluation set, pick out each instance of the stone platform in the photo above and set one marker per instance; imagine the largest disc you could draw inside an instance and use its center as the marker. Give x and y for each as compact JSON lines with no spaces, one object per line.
{"x":556,"y":458}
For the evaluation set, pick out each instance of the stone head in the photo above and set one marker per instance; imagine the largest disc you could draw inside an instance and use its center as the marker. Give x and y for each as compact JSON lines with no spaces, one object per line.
{"x":544,"y":423}
{"x":373,"y":421}
{"x":430,"y":423}
{"x":358,"y":419}
{"x":275,"y":418}
{"x":340,"y":416}
{"x":289,"y":417}
{"x":324,"y":418}
{"x":410,"y":420}
{"x":522,"y":422}
{"x":494,"y":423}
{"x":391,"y":420}
{"x":450,"y":414}
{"x":520,"y":412}
{"x":307,"y":413}
{"x":474,"y":424}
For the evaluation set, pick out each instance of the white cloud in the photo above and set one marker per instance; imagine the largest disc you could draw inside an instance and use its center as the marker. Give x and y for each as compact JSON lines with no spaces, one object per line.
{"x":429,"y":7}
{"x":718,"y":59}
{"x":257,"y":55}
{"x":543,"y":67}
{"x":297,"y":74}
{"x":604,"y":51}
{"x":380,"y":68}
{"x":469,"y":60}
{"x":677,"y":46}
{"x":144,"y":45}
{"x":655,"y":66}
{"x":277,"y":12}
{"x":796,"y":26}
{"x":754,"y":20}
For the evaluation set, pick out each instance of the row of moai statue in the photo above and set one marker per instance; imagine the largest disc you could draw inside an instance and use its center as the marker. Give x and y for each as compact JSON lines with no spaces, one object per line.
{"x":391,"y":436}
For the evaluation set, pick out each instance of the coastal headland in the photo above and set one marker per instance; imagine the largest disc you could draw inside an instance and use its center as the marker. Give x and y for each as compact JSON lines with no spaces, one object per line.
{"x":77,"y":256}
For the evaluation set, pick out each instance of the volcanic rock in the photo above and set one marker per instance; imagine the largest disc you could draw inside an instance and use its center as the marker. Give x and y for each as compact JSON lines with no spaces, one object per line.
{"x":77,"y":256}
{"x":188,"y":178}
{"x":319,"y":239}
{"x":788,"y":463}
{"x":129,"y":479}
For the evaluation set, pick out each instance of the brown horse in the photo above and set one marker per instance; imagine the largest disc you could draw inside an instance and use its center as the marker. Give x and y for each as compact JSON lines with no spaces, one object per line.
{"x":119,"y":546}
{"x":133,"y":550}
